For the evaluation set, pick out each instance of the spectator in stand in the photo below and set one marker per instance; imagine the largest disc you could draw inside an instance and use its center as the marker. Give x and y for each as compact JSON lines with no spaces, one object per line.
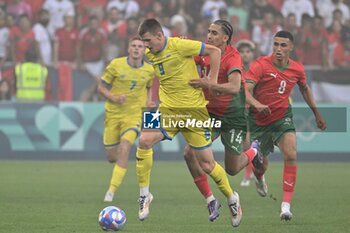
{"x":10,"y":21}
{"x":156,"y":10}
{"x":115,"y":28}
{"x":239,"y":33}
{"x":256,"y":12}
{"x":86,"y":8}
{"x":188,"y":9}
{"x":263,"y":35}
{"x":291,"y":26}
{"x":42,"y":36}
{"x":3,"y":4}
{"x":144,"y":3}
{"x":31,"y":78}
{"x":5,"y":90}
{"x":65,"y":56}
{"x":338,"y":15}
{"x":127,"y":29}
{"x":212,"y":7}
{"x":178,"y":26}
{"x":223,"y":14}
{"x":200,"y":31}
{"x":279,"y":19}
{"x":36,"y":6}
{"x":4,"y":40}
{"x":66,"y":42}
{"x":306,"y":22}
{"x":165,"y":27}
{"x":326,"y":9}
{"x":18,"y":8}
{"x":277,"y":4}
{"x":298,"y":7}
{"x":341,"y":56}
{"x":314,"y":44}
{"x":22,"y":38}
{"x":334,"y":32}
{"x":128,"y":7}
{"x":333,"y":38}
{"x":92,"y":53}
{"x":57,"y":9}
{"x":132,"y":25}
{"x":237,"y":9}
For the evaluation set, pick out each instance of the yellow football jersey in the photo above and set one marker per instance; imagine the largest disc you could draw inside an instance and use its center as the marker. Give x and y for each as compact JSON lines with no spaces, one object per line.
{"x":130,"y":81}
{"x":175,"y":67}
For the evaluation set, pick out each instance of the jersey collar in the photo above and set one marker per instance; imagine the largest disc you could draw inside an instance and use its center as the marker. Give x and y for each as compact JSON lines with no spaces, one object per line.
{"x":278,"y":67}
{"x":127,"y":61}
{"x":165,"y":43}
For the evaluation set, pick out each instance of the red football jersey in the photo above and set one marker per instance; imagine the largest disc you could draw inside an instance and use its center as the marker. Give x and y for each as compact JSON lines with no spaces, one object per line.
{"x":92,"y":44}
{"x":230,"y":61}
{"x":67,"y":43}
{"x":274,"y":86}
{"x":23,"y":41}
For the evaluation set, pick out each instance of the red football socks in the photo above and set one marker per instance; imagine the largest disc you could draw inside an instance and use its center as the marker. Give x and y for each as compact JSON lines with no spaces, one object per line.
{"x":289,"y":178}
{"x":203,"y":185}
{"x":250,"y":153}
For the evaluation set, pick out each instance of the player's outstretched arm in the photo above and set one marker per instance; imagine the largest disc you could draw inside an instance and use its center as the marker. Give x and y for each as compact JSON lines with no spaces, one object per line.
{"x":262,"y":108}
{"x":309,"y":99}
{"x":232,"y":87}
{"x":214,"y":54}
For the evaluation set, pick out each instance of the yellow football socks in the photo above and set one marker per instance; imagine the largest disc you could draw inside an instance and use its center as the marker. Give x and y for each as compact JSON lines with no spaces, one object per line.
{"x":117,"y":178}
{"x":144,"y":161}
{"x":219,"y":176}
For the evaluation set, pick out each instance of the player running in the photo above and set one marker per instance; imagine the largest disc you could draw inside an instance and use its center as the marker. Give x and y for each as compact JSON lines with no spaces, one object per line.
{"x":125,"y":84}
{"x":173,"y":61}
{"x":272,"y":78}
{"x":226,"y":103}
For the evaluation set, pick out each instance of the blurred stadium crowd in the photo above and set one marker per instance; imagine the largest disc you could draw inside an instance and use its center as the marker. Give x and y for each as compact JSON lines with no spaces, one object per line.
{"x":62,"y":36}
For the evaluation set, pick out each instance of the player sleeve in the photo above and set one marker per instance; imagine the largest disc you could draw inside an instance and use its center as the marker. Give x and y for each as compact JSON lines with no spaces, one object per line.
{"x":302,"y":77}
{"x":234,"y":63}
{"x":107,"y":76}
{"x":255,"y":73}
{"x":189,"y":48}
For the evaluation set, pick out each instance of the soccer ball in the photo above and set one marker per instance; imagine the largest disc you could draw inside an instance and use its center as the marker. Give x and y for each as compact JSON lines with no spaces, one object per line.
{"x":112,"y":218}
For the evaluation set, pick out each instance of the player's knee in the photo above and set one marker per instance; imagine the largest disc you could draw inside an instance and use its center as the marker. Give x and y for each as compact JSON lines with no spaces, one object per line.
{"x":145,"y":143}
{"x":290,"y":156}
{"x":111,"y":159}
{"x":111,"y":155}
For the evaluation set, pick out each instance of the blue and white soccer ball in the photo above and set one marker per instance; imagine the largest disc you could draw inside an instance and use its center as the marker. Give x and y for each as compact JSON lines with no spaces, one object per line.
{"x":112,"y":218}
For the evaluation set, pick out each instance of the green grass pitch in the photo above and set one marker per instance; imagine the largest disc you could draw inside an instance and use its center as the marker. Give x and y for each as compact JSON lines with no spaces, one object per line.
{"x":66,"y":197}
